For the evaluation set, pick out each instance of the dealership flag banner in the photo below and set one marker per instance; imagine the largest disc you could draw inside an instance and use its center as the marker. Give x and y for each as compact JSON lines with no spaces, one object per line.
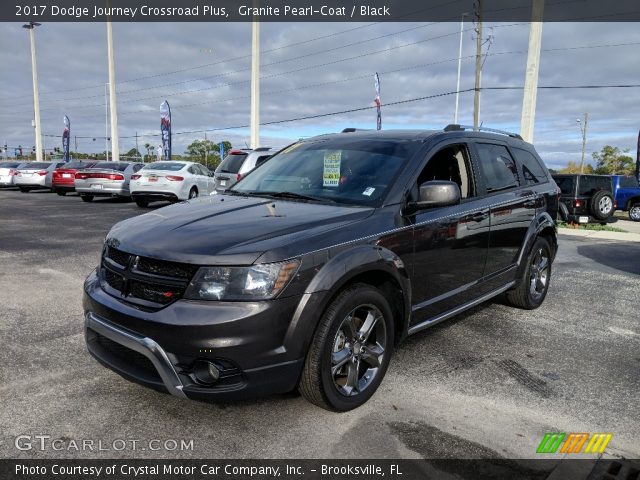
{"x":638,"y":158}
{"x":165,"y":129}
{"x":377,"y":100}
{"x":66,"y":135}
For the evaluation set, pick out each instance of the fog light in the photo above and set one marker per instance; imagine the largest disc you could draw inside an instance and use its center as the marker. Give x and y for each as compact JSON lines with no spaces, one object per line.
{"x":206,"y":372}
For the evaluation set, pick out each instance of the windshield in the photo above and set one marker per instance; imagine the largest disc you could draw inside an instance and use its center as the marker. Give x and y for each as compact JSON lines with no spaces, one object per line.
{"x":170,"y":166}
{"x":343,"y":170}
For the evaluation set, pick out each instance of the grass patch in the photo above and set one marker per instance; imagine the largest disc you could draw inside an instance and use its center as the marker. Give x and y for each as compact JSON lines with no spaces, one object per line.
{"x":591,"y":226}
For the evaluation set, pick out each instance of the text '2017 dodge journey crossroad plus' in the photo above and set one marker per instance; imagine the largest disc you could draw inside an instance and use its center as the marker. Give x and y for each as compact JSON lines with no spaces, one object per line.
{"x":315,"y":265}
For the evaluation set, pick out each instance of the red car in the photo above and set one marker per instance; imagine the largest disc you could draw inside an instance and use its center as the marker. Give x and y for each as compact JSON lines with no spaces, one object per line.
{"x":64,"y":177}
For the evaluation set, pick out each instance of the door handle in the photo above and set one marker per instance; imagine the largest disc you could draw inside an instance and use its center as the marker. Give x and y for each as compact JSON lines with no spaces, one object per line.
{"x":478,"y":217}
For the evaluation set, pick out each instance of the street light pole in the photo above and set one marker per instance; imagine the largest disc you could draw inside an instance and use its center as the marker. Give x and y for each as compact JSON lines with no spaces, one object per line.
{"x":36,"y":95}
{"x":255,"y":84}
{"x":106,"y":122}
{"x":476,"y":95}
{"x":115,"y":152}
{"x":583,"y":129}
{"x":455,"y":115}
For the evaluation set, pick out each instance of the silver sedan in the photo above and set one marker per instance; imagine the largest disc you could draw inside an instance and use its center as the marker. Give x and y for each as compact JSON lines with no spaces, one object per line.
{"x":35,"y":175}
{"x":105,"y":179}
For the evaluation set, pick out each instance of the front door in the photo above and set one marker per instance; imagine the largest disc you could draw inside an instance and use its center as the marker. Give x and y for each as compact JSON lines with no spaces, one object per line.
{"x":450,"y":243}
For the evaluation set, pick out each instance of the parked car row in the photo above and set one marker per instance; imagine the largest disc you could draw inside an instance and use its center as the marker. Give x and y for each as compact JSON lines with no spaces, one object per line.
{"x":144,"y":183}
{"x":595,"y":198}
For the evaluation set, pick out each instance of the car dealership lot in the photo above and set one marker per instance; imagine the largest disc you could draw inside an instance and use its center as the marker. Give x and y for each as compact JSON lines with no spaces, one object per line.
{"x":487,"y":384}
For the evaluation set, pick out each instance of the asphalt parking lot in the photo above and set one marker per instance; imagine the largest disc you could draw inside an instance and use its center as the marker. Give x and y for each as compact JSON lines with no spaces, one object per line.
{"x":489,"y":383}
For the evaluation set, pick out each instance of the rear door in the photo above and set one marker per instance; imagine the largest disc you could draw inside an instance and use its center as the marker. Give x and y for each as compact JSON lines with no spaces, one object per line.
{"x":512,"y":206}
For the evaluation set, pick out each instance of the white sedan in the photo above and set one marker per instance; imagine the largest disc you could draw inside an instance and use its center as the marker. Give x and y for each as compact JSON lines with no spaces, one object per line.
{"x":170,"y":180}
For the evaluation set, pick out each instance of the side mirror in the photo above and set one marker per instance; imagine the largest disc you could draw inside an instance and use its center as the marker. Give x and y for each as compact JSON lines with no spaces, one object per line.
{"x":437,"y":193}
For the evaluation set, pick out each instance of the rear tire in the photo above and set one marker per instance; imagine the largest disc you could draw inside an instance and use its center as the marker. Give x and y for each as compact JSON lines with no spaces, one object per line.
{"x":563,"y":211}
{"x":350,"y":351}
{"x":62,"y":193}
{"x":634,"y":212}
{"x":601,"y":205}
{"x":533,"y":286}
{"x":87,"y":198}
{"x":142,"y":202}
{"x":24,"y":189}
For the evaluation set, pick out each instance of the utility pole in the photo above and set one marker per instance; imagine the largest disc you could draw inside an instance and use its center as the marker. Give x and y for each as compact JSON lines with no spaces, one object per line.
{"x":36,"y":95}
{"x":115,"y":152}
{"x":255,"y":83}
{"x":455,"y":114}
{"x":476,"y":96}
{"x":137,"y":151}
{"x":529,"y":99}
{"x":583,"y":129}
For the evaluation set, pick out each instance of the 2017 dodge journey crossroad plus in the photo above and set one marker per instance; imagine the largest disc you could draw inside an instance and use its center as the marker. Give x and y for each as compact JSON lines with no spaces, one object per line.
{"x":308,"y":271}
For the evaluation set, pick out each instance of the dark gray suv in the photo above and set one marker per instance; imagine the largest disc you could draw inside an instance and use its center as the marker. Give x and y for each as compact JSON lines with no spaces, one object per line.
{"x":309,"y":271}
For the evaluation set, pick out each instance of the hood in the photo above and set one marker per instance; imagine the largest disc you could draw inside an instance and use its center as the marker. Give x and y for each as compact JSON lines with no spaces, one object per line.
{"x":224,"y":229}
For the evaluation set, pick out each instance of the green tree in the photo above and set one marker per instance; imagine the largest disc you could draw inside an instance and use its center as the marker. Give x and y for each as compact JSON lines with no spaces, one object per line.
{"x":207,"y":151}
{"x":574,"y":167}
{"x":610,"y":160}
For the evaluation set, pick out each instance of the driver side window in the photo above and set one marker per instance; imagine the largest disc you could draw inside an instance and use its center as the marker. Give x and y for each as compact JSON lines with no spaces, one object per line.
{"x":450,"y":163}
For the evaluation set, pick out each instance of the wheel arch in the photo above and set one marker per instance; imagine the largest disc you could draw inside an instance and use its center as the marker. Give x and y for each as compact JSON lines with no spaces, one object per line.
{"x":542,"y":226}
{"x":367,"y":264}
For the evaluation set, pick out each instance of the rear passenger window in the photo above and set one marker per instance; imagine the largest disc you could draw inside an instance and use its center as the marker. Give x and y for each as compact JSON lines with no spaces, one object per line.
{"x":497,"y":166}
{"x":532,"y":172}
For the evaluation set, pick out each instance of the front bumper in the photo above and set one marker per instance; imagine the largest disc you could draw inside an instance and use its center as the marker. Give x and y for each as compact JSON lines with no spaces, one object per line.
{"x":158,"y":349}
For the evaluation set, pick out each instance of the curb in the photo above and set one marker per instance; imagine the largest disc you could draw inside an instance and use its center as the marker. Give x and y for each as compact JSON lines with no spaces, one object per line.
{"x":601,"y":235}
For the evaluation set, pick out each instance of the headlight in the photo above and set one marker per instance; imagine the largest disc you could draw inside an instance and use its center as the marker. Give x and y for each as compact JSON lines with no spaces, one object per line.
{"x":258,"y":282}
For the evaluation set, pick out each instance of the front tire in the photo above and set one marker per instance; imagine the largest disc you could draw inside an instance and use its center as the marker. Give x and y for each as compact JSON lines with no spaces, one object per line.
{"x":24,"y":189}
{"x":534,"y":284}
{"x":634,"y":212}
{"x":193,"y":193}
{"x":350,"y":351}
{"x":142,"y":202}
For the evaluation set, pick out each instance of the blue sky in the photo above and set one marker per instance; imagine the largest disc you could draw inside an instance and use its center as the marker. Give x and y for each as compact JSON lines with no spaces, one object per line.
{"x":314,"y":68}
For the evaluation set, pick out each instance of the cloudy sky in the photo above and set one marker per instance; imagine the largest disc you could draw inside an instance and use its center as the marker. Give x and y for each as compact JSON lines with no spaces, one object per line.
{"x":203,"y":70}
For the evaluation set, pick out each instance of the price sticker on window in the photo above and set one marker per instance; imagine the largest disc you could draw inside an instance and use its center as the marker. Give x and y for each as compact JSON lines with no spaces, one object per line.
{"x":331,"y":172}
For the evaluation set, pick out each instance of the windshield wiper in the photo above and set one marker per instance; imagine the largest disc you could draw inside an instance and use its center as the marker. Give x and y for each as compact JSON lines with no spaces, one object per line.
{"x":294,"y":195}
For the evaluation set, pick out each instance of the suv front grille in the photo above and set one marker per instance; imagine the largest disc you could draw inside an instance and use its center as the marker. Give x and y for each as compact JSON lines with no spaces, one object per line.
{"x":144,"y":281}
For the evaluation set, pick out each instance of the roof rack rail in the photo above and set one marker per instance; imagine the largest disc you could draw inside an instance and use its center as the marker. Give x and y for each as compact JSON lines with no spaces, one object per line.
{"x":261,"y":149}
{"x":453,"y":127}
{"x":353,"y":129}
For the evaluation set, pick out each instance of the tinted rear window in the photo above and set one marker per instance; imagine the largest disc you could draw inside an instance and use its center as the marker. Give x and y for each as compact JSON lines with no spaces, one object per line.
{"x":37,"y":165}
{"x":532,"y":171}
{"x":589,"y":184}
{"x":628,"y":182}
{"x":121,"y":167}
{"x":77,"y":165}
{"x":497,"y":166}
{"x":9,"y":164}
{"x":232,"y":163}
{"x":171,"y":166}
{"x":565,"y":184}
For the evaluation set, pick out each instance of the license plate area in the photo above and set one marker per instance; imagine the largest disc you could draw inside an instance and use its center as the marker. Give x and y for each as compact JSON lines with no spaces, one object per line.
{"x":583,"y":219}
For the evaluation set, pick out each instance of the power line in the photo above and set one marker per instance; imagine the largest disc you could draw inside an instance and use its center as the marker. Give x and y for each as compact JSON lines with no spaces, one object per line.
{"x":359,"y":109}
